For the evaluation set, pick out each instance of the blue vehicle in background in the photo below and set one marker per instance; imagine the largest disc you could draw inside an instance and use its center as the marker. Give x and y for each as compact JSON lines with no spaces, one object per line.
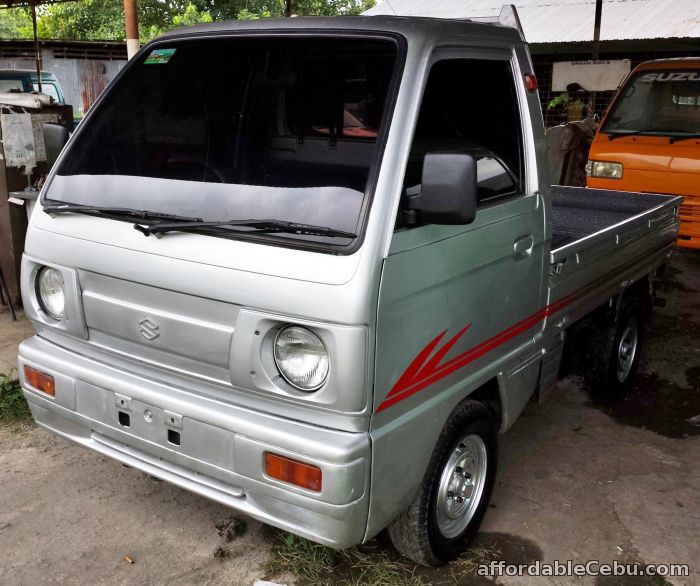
{"x":27,"y":81}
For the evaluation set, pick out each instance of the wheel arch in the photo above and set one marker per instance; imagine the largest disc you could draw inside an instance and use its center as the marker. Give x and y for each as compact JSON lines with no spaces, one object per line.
{"x":641,"y":293}
{"x":491,"y":395}
{"x":426,"y":531}
{"x":415,"y":437}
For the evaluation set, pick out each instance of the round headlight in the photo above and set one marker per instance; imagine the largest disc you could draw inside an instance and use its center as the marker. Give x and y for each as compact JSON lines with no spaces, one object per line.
{"x":50,"y":290}
{"x":301,"y":358}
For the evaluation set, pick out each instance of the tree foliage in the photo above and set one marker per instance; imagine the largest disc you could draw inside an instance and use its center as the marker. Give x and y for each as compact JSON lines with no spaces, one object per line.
{"x":15,"y":24}
{"x":104,"y":19}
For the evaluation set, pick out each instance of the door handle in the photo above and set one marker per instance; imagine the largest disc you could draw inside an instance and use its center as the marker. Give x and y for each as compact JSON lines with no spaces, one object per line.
{"x":522,"y":247}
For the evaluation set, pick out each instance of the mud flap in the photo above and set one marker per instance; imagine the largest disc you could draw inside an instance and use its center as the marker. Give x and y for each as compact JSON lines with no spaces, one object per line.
{"x":551,"y":361}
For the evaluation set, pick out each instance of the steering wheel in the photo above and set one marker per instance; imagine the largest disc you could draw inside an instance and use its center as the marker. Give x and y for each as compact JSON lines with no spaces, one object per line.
{"x":191,"y":167}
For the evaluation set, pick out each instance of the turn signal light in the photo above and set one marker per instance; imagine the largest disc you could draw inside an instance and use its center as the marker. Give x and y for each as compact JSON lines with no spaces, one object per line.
{"x":40,"y":381}
{"x":294,"y":472}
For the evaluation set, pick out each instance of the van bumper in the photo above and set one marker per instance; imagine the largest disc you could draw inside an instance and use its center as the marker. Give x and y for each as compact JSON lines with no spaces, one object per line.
{"x":136,"y":420}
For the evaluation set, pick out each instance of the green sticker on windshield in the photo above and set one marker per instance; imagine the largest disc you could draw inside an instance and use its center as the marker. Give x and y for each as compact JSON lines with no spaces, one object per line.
{"x":159,"y":56}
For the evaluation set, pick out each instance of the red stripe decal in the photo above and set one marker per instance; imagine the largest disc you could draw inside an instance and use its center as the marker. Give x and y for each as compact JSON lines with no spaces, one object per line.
{"x":425,"y":371}
{"x":409,"y":376}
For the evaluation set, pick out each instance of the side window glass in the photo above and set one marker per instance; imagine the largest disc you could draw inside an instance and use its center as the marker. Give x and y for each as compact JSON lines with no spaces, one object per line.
{"x":48,"y":89}
{"x":470,"y":106}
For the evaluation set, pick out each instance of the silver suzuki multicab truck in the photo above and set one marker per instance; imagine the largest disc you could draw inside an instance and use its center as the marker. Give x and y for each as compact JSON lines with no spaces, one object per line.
{"x":309,"y":268}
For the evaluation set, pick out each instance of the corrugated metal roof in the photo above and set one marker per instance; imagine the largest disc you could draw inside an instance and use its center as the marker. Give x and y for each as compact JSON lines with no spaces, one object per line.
{"x":568,"y":21}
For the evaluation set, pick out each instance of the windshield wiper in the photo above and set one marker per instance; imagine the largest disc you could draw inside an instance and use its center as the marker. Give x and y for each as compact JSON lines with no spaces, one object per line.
{"x":74,"y":208}
{"x":172,"y":223}
{"x":678,"y":137}
{"x":260,"y":226}
{"x":613,"y":135}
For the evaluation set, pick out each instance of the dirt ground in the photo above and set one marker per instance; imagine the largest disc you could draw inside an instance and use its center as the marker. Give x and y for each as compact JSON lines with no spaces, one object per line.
{"x":578,"y":480}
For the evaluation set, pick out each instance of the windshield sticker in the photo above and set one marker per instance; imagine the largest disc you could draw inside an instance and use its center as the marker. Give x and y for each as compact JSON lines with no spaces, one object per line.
{"x":670,"y":76}
{"x":159,"y":56}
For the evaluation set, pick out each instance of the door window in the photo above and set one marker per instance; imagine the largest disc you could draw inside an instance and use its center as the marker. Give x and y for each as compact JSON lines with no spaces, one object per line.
{"x":470,"y":106}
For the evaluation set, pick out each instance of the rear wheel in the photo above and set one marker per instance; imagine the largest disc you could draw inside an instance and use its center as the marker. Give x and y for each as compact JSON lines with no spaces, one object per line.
{"x":613,"y":353}
{"x":626,"y":355}
{"x":452,"y":500}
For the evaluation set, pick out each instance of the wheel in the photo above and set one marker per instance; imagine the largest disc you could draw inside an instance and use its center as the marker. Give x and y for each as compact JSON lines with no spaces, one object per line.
{"x":613,"y":354}
{"x":454,"y":495}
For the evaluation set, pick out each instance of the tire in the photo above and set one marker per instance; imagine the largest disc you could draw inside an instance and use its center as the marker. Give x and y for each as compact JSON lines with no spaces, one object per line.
{"x":437,"y":527}
{"x":613,"y":353}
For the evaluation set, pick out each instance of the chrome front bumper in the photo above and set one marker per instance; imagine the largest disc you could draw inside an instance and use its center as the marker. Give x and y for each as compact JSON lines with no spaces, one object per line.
{"x":221,"y":446}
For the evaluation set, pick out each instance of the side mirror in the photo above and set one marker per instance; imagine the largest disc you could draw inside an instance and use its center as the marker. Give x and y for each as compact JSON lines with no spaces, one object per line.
{"x":448,"y":189}
{"x":55,"y":138}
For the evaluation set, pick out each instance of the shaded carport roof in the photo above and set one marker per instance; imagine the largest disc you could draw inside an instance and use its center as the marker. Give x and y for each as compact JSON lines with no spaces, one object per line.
{"x":568,"y":21}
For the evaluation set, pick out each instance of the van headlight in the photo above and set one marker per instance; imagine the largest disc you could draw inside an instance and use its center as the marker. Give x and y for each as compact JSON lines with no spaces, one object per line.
{"x":604,"y":169}
{"x":301,"y":358}
{"x":49,"y":285}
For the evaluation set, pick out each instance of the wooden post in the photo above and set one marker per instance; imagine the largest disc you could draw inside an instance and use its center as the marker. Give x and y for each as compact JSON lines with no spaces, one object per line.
{"x":131,"y":25}
{"x":13,"y":225}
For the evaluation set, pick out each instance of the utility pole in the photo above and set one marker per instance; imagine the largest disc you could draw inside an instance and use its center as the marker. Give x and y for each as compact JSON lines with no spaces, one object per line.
{"x":596,"y":50}
{"x":131,"y":24}
{"x":596,"y":29}
{"x":37,"y":49}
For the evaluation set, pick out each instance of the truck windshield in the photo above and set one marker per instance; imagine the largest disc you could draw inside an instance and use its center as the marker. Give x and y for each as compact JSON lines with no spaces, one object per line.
{"x":664,"y":103}
{"x":239,"y":128}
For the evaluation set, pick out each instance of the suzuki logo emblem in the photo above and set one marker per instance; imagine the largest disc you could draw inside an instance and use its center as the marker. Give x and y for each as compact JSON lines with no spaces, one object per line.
{"x":149,"y":329}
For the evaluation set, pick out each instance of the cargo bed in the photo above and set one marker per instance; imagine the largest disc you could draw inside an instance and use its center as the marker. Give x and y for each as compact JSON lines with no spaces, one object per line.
{"x":579,"y":213}
{"x":603,"y":240}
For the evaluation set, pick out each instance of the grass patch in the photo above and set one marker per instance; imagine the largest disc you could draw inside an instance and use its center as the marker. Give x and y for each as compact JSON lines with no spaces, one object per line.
{"x":468,"y":563}
{"x":317,"y":565}
{"x":13,"y":406}
{"x":379,"y":569}
{"x":306,"y":560}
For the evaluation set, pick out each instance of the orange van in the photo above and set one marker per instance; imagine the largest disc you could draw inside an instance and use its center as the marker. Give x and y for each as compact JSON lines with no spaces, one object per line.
{"x":649,"y":138}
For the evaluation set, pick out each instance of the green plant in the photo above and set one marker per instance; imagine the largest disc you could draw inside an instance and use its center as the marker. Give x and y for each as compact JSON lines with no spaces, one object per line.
{"x":13,"y":406}
{"x":560,"y":100}
{"x":564,"y":100}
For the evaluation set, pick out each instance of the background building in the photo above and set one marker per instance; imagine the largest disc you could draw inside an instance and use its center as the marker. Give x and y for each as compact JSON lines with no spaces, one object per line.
{"x":562,"y":30}
{"x":83,"y":68}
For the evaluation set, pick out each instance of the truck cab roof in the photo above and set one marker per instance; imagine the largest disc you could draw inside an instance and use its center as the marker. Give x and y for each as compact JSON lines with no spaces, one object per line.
{"x":673,"y":63}
{"x":26,"y":81}
{"x":419,"y":28}
{"x":30,"y":73}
